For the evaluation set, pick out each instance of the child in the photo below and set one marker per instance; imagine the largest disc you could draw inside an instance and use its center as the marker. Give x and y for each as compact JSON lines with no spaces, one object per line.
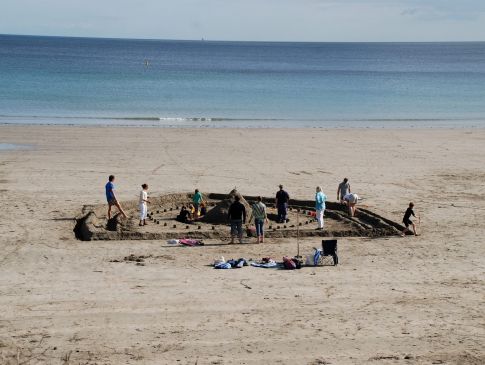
{"x":407,"y":221}
{"x":203,"y":209}
{"x":143,"y":204}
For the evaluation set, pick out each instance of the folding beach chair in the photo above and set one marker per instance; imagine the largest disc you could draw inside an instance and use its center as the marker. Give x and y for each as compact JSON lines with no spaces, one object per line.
{"x":329,"y":252}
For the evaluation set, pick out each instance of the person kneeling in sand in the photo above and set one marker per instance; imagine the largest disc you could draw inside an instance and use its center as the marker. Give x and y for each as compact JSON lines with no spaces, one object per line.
{"x":407,"y":220}
{"x":143,"y":203}
{"x":237,"y":217}
{"x":351,"y":200}
{"x":111,"y":197}
{"x":184,"y":215}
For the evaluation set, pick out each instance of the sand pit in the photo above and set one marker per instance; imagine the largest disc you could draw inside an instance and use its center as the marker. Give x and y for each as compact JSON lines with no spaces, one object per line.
{"x":162,"y":224}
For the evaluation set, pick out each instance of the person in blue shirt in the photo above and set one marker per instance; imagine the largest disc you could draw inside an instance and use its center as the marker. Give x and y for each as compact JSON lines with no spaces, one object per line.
{"x":111,"y":197}
{"x":320,"y":199}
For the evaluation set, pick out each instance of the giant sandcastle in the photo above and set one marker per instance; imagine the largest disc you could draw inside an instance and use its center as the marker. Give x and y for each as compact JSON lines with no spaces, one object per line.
{"x":93,"y":224}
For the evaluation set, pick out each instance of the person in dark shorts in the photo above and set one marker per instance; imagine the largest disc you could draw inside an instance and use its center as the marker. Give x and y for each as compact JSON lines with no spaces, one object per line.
{"x":282,"y":200}
{"x":407,"y":220}
{"x":237,"y":217}
{"x":111,"y":197}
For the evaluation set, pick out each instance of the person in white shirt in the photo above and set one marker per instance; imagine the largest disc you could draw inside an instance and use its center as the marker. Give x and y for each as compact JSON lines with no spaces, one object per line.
{"x":351,"y":200}
{"x":143,"y":204}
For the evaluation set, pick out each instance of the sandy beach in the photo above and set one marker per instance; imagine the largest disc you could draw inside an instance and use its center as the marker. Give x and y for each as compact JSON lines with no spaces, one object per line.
{"x":413,"y":300}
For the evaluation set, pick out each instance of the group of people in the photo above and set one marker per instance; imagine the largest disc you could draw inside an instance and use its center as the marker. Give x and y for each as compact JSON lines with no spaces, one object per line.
{"x":237,"y":214}
{"x":194,"y":211}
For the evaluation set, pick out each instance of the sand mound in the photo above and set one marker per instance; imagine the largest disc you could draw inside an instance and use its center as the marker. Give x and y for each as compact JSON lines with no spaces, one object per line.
{"x":218,"y":214}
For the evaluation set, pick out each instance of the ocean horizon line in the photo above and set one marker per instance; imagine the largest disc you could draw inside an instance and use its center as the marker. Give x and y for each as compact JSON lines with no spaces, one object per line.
{"x":202,"y":39}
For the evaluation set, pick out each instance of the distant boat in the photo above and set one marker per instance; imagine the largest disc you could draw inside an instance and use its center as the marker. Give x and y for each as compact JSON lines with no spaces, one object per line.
{"x":147,"y":62}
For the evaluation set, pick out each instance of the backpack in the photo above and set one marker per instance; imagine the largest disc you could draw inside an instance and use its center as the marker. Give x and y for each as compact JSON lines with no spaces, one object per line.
{"x":288,"y":263}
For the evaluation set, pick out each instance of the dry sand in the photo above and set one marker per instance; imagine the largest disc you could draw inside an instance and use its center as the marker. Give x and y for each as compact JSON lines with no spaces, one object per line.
{"x":391,"y":301}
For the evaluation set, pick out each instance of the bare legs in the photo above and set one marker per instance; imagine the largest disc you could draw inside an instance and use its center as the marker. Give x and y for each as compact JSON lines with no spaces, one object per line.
{"x":408,"y":230}
{"x":352,"y":208}
{"x":117,"y":206}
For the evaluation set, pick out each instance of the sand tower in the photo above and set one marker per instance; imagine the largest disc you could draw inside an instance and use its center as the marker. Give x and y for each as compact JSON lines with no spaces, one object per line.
{"x":218,"y":214}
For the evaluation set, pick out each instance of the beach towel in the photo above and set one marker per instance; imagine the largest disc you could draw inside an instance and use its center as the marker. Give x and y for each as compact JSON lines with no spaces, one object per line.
{"x":191,"y":242}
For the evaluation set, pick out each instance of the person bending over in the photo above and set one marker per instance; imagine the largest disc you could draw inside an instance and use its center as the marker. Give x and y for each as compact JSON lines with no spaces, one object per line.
{"x":351,"y":200}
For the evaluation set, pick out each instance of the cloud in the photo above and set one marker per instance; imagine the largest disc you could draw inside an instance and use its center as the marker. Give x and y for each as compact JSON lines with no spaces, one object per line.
{"x":411,"y":12}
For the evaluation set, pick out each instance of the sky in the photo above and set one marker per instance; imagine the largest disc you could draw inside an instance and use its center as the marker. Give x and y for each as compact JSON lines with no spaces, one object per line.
{"x":250,"y":20}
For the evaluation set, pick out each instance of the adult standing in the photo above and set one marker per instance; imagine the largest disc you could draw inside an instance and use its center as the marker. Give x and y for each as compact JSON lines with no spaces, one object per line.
{"x":320,"y":199}
{"x":351,"y":200}
{"x":111,"y":196}
{"x":260,"y":217}
{"x":343,"y":189}
{"x":237,"y":217}
{"x":282,"y":200}
{"x":143,"y":203}
{"x":197,"y":201}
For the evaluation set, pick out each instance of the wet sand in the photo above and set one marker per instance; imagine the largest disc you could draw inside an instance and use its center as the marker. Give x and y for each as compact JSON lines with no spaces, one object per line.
{"x":390,"y":301}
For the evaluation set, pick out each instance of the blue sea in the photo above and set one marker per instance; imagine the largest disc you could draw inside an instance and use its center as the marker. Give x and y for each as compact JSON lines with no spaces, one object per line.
{"x":86,"y":81}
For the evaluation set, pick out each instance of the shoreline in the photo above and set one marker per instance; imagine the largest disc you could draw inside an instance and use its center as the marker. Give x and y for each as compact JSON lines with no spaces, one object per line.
{"x":275,"y":128}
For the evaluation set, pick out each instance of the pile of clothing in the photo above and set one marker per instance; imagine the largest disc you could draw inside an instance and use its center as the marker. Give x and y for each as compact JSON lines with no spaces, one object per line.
{"x":221,"y":263}
{"x":266,"y":262}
